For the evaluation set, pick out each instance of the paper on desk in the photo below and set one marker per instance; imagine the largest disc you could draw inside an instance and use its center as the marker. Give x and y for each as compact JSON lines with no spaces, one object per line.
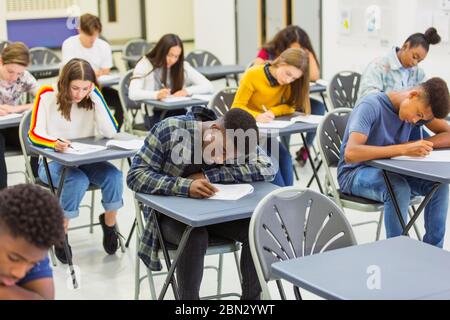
{"x":312,"y":119}
{"x":11,"y":116}
{"x":134,"y":144}
{"x":434,"y":156}
{"x":274,"y":124}
{"x":176,"y":99}
{"x":83,"y":148}
{"x":232,"y":191}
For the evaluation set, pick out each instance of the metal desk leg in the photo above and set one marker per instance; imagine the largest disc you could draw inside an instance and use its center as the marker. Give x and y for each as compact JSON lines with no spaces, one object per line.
{"x":127,"y":244}
{"x":311,"y":162}
{"x":324,"y":102}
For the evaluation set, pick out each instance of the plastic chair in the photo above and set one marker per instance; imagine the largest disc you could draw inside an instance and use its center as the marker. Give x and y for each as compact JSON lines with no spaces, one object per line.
{"x":130,"y":108}
{"x":203,"y":58}
{"x":343,"y":89}
{"x":216,"y":246}
{"x":222,"y":101}
{"x":136,"y":47}
{"x":330,"y":134}
{"x":27,"y":153}
{"x":44,"y":56}
{"x":291,"y":223}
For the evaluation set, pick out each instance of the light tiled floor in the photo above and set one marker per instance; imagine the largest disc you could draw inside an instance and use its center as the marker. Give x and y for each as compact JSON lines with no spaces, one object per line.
{"x":112,"y":277}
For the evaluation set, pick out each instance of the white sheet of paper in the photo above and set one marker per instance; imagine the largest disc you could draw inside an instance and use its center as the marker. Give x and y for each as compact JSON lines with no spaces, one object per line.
{"x":232,"y":191}
{"x":275,"y":124}
{"x":11,"y":116}
{"x":434,"y":156}
{"x":176,"y":99}
{"x":134,"y":144}
{"x":83,"y":148}
{"x":313,"y":119}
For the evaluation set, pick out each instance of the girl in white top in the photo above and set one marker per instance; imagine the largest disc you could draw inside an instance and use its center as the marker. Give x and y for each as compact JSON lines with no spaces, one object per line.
{"x":163,"y":72}
{"x":76,"y":109}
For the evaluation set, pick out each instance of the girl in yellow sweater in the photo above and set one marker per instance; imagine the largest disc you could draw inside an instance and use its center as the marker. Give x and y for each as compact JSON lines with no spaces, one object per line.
{"x":275,"y":89}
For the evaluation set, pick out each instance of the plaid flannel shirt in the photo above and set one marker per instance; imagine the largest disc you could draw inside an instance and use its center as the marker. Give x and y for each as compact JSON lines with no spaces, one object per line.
{"x":154,"y":172}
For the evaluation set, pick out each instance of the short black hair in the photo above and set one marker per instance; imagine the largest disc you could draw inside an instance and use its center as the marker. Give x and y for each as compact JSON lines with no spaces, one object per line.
{"x":424,"y":40}
{"x":28,"y":211}
{"x":238,"y":119}
{"x":437,"y":95}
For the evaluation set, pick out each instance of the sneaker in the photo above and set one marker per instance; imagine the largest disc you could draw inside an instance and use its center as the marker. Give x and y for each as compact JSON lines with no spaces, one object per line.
{"x":301,"y":156}
{"x":60,"y":253}
{"x":110,"y":236}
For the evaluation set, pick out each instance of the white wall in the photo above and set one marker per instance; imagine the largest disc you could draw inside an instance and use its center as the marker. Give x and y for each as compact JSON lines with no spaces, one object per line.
{"x":128,"y":24}
{"x":169,"y":16}
{"x":214,"y":28}
{"x":399,"y":19}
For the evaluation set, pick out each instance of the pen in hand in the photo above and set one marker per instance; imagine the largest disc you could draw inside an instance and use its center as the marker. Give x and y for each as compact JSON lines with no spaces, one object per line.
{"x":69,"y":145}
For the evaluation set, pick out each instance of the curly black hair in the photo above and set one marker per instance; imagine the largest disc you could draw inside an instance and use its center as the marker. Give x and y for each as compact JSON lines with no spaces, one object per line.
{"x":32,"y":213}
{"x":437,"y":94}
{"x":236,"y":119}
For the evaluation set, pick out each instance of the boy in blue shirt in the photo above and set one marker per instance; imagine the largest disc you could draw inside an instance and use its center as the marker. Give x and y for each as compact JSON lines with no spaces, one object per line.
{"x":31,"y":221}
{"x":379,"y":127}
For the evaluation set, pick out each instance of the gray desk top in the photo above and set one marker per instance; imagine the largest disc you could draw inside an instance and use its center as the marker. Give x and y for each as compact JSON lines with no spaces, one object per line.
{"x":9,"y":123}
{"x":407,"y":269}
{"x":176,"y":105}
{"x":317,"y":88}
{"x":432,"y":171}
{"x":71,"y":160}
{"x":220,"y":71}
{"x":109,"y":81}
{"x":203,"y":212}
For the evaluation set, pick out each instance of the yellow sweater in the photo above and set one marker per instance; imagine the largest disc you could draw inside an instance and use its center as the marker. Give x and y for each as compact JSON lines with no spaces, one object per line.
{"x":255,"y":91}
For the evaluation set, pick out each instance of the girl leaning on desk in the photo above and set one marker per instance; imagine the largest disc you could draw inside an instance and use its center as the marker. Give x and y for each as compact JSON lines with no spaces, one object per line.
{"x":76,"y":109}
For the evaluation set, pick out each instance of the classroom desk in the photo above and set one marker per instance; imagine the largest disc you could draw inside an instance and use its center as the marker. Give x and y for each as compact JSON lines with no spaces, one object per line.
{"x":169,"y":106}
{"x":202,"y":212}
{"x":132,"y":59}
{"x":320,"y":89}
{"x":301,"y":128}
{"x":117,"y":48}
{"x":221,"y":71}
{"x":407,"y":269}
{"x":9,"y":123}
{"x":438,"y":172}
{"x":71,"y":160}
{"x":109,"y":80}
{"x":43,"y":71}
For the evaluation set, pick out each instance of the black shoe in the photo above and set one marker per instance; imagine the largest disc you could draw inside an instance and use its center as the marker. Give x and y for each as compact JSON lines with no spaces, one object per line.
{"x":110,"y":236}
{"x":301,"y":156}
{"x":60,"y":253}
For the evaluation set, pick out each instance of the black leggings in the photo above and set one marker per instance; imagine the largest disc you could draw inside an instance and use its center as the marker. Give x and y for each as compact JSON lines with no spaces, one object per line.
{"x":189,"y":270}
{"x":9,"y":139}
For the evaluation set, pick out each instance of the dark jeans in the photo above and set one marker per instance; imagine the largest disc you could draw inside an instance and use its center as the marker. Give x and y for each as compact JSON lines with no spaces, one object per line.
{"x":189,"y":270}
{"x":112,"y":99}
{"x":9,"y":138}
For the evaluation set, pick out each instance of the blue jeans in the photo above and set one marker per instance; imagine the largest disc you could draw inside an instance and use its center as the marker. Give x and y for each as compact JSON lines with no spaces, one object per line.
{"x":317,"y":108}
{"x":369,"y":183}
{"x":77,"y":181}
{"x":285,"y":173}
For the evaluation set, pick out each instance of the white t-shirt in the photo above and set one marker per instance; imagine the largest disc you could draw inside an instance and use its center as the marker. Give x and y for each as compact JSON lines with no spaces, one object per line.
{"x":99,"y":56}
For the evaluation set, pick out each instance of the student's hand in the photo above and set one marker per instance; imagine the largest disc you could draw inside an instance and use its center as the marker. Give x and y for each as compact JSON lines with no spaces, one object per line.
{"x":61,"y":146}
{"x":201,"y":188}
{"x":3,"y":112}
{"x":163,"y":93}
{"x":5,"y":109}
{"x":267,"y":116}
{"x":181,"y":93}
{"x":420,"y":148}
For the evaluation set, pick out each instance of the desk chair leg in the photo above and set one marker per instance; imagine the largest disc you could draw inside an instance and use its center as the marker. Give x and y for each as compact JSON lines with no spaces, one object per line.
{"x":411,"y":212}
{"x":127,"y":244}
{"x":324,"y":102}
{"x":220,"y":274}
{"x":311,"y":162}
{"x":238,"y":266}
{"x":137,"y":275}
{"x":380,"y":223}
{"x":122,"y":246}
{"x":91,"y":228}
{"x":297,"y":293}
{"x":281,"y":290}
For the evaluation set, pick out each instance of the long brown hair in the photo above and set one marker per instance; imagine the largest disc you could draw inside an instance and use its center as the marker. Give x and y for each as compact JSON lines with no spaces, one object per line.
{"x":299,"y":59}
{"x":158,"y":58}
{"x":75,"y":69}
{"x":286,"y":37}
{"x":16,"y":53}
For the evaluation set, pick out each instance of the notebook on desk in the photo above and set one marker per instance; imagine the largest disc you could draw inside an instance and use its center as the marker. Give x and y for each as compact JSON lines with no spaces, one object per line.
{"x":232,"y":191}
{"x":434,"y":156}
{"x":78,"y":148}
{"x":311,"y":118}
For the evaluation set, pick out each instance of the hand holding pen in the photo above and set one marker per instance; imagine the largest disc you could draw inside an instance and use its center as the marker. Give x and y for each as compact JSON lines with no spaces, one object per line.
{"x":62,"y":145}
{"x":267,"y":116}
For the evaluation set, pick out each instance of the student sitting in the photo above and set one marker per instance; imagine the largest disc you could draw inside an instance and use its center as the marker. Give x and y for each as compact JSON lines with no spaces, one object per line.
{"x":156,"y":170}
{"x":163,"y":72}
{"x":75,"y":110}
{"x":379,"y":127}
{"x":97,"y":52}
{"x":399,"y":69}
{"x":295,"y":37}
{"x":31,"y":221}
{"x":14,"y":82}
{"x":275,"y":89}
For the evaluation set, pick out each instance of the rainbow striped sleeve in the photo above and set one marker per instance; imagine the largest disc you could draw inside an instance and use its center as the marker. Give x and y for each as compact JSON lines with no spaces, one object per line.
{"x":34,"y":137}
{"x":105,"y":105}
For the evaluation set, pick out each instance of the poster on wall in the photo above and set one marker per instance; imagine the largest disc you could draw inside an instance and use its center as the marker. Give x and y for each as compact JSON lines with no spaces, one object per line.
{"x":373,"y":20}
{"x":345,"y":23}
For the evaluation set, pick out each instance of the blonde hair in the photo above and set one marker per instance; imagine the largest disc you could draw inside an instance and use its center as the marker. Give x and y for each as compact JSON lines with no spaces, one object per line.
{"x":16,"y":53}
{"x":299,"y":59}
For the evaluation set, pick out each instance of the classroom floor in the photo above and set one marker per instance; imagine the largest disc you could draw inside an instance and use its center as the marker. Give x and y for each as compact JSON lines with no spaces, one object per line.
{"x":112,"y":277}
